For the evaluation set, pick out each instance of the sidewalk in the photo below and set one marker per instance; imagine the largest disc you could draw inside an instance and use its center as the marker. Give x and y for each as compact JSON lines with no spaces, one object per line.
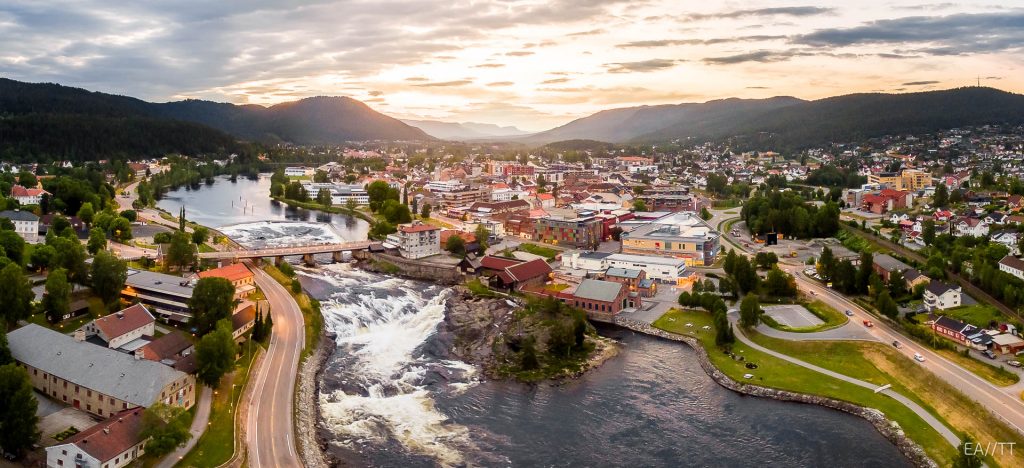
{"x":198,"y":427}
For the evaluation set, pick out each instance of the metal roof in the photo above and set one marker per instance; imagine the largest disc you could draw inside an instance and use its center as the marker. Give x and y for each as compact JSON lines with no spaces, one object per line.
{"x":598,"y":290}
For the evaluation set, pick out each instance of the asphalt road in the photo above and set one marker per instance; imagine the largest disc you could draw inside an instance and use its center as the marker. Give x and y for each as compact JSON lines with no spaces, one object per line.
{"x":269,"y":430}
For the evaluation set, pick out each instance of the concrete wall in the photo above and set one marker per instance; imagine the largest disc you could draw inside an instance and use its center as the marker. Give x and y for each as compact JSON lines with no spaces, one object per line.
{"x":415,"y":269}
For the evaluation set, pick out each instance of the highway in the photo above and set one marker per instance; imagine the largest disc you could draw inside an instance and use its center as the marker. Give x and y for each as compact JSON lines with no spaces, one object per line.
{"x":269,"y":430}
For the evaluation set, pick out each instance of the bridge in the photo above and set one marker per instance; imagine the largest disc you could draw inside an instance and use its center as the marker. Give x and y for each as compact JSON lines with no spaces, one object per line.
{"x":278,"y":253}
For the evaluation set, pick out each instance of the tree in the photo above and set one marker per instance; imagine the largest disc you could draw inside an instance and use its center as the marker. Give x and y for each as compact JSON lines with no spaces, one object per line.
{"x":181,"y":252}
{"x":639,"y":205}
{"x":15,"y":294}
{"x":121,"y":229}
{"x":130,"y":215}
{"x":730,"y":262}
{"x":967,"y":455}
{"x":705,"y":214}
{"x":323,"y":198}
{"x":57,"y":300}
{"x":108,"y":276}
{"x":200,"y":235}
{"x":766,"y":260}
{"x":723,"y":332}
{"x":826,"y":263}
{"x":215,"y":353}
{"x":162,"y":238}
{"x":13,"y":246}
{"x":69,"y":254}
{"x":5,"y":351}
{"x":745,"y":275}
{"x":482,"y":235}
{"x":27,"y":179}
{"x":164,"y":426}
{"x":928,"y":232}
{"x":780,"y":284}
{"x":181,"y":219}
{"x":351,"y":204}
{"x":213,"y":299}
{"x":425,"y":213}
{"x":886,"y":306}
{"x":321,"y":177}
{"x":97,"y":241}
{"x":277,"y":190}
{"x":17,"y":410}
{"x":528,"y":354}
{"x":395,"y":212}
{"x":456,"y":245}
{"x":378,"y":192}
{"x":750,"y":312}
{"x":941,"y":197}
{"x":864,"y":271}
{"x":86,"y":213}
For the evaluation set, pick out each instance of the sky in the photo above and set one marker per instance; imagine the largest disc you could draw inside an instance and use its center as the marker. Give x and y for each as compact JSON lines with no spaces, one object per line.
{"x":534,"y":64}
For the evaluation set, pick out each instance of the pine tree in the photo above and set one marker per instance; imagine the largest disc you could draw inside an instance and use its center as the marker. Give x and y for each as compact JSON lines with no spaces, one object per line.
{"x":181,"y":219}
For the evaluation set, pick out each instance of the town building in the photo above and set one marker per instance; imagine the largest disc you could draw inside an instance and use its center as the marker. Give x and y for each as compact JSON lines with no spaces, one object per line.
{"x":25,"y":223}
{"x":886,"y":265}
{"x":239,"y":276}
{"x":635,"y":280}
{"x":138,"y":170}
{"x":123,"y":327}
{"x":165,"y":295}
{"x":243,"y":319}
{"x":661,"y":269}
{"x":942,"y":296}
{"x":113,"y":443}
{"x":460,"y":198}
{"x":416,"y":240}
{"x":28,"y":196}
{"x":671,"y":198}
{"x":168,"y":349}
{"x":962,"y":333}
{"x":681,"y":235}
{"x":580,"y":232}
{"x":513,"y":277}
{"x":95,"y":379}
{"x":602,"y":300}
{"x":299,"y":171}
{"x":1012,"y":265}
{"x":887,"y":200}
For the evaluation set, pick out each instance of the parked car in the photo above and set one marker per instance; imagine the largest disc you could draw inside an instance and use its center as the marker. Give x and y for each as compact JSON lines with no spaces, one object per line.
{"x":897,"y":344}
{"x":1014,"y":363}
{"x":869,"y":324}
{"x":918,"y":357}
{"x":848,"y":313}
{"x":989,"y":354}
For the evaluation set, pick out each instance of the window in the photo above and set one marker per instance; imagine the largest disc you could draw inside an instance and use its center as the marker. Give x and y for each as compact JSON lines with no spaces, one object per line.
{"x":63,"y":452}
{"x":61,"y":462}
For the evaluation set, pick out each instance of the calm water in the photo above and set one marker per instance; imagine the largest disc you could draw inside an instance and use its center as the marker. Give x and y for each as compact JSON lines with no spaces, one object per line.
{"x":391,"y":397}
{"x":226,"y":203}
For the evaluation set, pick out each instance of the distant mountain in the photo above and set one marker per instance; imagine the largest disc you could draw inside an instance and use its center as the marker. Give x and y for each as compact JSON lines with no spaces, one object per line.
{"x":44,"y":119}
{"x":463,"y":131}
{"x":786,"y":123}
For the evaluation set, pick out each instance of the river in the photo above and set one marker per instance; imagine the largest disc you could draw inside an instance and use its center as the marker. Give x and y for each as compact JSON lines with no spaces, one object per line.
{"x":392,"y":396}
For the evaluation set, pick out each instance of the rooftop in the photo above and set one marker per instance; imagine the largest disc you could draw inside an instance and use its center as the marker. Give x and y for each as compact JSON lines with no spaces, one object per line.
{"x":888,"y":263}
{"x":623,"y":272}
{"x":152,"y":281}
{"x":233,"y":272}
{"x":598,"y":290}
{"x":111,"y":437}
{"x":124,"y":321}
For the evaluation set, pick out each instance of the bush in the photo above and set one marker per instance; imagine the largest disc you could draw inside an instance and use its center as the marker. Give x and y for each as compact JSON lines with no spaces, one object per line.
{"x":296,"y":286}
{"x":287,"y":269}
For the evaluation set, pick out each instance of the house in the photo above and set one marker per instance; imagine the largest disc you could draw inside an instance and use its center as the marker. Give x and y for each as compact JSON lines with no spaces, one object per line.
{"x":942,"y":215}
{"x":168,"y":349}
{"x":28,"y":196}
{"x":298,"y":171}
{"x":971,"y":227}
{"x":1012,"y":265}
{"x":164,"y":295}
{"x":77,"y":224}
{"x":1007,"y":343}
{"x":635,"y":280}
{"x":113,"y":443}
{"x":962,"y":333}
{"x":239,"y":276}
{"x":95,"y":379}
{"x":941,"y":296}
{"x":913,"y":277}
{"x":122,"y":327}
{"x":885,"y":266}
{"x":25,"y":223}
{"x":1007,"y":238}
{"x":469,"y":265}
{"x":887,"y":200}
{"x":416,"y":240}
{"x":545,"y":200}
{"x":532,"y":273}
{"x":243,"y":319}
{"x":602,"y":300}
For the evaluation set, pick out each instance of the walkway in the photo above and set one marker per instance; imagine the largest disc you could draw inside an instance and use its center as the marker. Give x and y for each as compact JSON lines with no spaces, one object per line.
{"x":917,"y":409}
{"x":287,"y":251}
{"x":198,"y":427}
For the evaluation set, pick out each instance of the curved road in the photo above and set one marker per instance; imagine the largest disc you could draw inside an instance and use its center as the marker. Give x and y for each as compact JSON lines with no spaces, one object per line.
{"x":269,"y":431}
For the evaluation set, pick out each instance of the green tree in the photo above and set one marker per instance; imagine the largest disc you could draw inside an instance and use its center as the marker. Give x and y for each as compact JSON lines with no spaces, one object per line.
{"x":97,"y":240}
{"x":17,"y":410}
{"x":455,"y":245}
{"x":121,"y":229}
{"x":528,"y":354}
{"x":378,"y":192}
{"x":323,"y":197}
{"x":928,"y":232}
{"x":395,"y":212}
{"x":639,"y":205}
{"x":213,"y":299}
{"x":181,"y":253}
{"x":15,"y":294}
{"x":482,"y":235}
{"x":886,"y":305}
{"x":425,"y":212}
{"x":57,"y":300}
{"x":730,"y":262}
{"x":162,"y":238}
{"x":86,"y":213}
{"x":130,"y":215}
{"x":864,"y":271}
{"x":70,"y":254}
{"x":215,"y":353}
{"x":779,"y":283}
{"x":941,"y":197}
{"x":164,"y":426}
{"x":750,"y":311}
{"x":967,"y":455}
{"x":277,"y":190}
{"x":351,"y":204}
{"x":321,"y":177}
{"x":181,"y":219}
{"x":108,"y":276}
{"x":27,"y":179}
{"x":723,"y":332}
{"x":766,"y":260}
{"x":5,"y":350}
{"x":745,"y":275}
{"x":13,"y":246}
{"x":705,"y":214}
{"x":200,"y":235}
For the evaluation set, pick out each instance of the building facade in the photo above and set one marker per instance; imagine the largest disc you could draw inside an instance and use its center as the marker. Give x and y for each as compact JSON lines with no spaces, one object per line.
{"x":580,"y":232}
{"x":25,"y":223}
{"x":416,"y":240}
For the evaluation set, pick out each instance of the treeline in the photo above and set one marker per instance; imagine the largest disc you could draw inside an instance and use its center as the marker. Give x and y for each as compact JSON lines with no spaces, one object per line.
{"x":789,"y":214}
{"x":832,"y":176}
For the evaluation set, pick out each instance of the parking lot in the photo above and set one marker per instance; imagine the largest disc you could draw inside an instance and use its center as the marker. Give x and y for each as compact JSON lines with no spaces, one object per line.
{"x":792,"y":315}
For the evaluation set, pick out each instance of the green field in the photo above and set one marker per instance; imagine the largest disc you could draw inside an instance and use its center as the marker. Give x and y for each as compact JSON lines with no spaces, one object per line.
{"x":979,"y":315}
{"x":545,"y":252}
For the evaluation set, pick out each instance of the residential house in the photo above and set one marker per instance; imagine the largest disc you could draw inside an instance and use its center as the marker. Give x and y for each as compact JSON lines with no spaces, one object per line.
{"x":962,"y":333}
{"x":164,"y":295}
{"x":113,"y":443}
{"x":416,"y":240}
{"x":913,"y":277}
{"x":942,"y":296}
{"x":885,"y":266}
{"x":239,"y":276}
{"x":1007,"y":238}
{"x":532,"y":273}
{"x":28,"y":196}
{"x":123,"y":327}
{"x":942,"y":215}
{"x":243,"y":319}
{"x":25,"y":223}
{"x":971,"y":227}
{"x":95,"y":379}
{"x":169,"y":348}
{"x":545,"y":200}
{"x":1012,"y":265}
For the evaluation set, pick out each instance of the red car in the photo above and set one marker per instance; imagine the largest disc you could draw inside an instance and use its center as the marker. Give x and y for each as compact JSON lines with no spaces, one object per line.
{"x":869,"y":324}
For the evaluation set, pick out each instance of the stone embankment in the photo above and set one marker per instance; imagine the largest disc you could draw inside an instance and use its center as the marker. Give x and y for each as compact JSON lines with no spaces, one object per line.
{"x":889,"y":429}
{"x":311,"y":450}
{"x":406,"y":268}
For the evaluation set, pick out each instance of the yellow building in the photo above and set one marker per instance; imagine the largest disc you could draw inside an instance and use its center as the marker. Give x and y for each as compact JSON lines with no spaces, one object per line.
{"x":909,"y":179}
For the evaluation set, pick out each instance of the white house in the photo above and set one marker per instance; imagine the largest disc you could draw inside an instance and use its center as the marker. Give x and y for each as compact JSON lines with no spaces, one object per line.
{"x":28,"y":196}
{"x":971,"y":227}
{"x":298,"y":171}
{"x":112,"y":443}
{"x":416,"y":240}
{"x":1007,"y":238}
{"x":1012,"y":265}
{"x":123,"y":327}
{"x":942,"y":296}
{"x":26,"y":224}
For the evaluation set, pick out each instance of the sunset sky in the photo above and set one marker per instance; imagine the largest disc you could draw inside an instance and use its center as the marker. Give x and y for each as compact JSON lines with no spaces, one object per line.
{"x":533,"y":64}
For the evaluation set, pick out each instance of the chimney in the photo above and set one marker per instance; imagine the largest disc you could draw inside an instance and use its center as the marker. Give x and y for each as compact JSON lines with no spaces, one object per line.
{"x":106,"y":430}
{"x":79,"y":335}
{"x":139,"y":354}
{"x":120,"y":315}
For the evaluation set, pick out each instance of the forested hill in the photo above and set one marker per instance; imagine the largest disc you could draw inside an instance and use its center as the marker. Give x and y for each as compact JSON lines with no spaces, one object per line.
{"x":49,"y":121}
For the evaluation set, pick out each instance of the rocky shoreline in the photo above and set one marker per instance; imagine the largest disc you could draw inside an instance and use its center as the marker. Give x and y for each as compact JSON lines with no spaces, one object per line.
{"x":889,"y":429}
{"x":312,"y":449}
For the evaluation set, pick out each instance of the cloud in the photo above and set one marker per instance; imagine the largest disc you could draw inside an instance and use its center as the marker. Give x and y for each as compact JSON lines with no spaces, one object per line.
{"x":592,"y":32}
{"x":519,"y":53}
{"x":375,"y":93}
{"x":919,"y":83}
{"x":440,"y":84}
{"x":797,"y":11}
{"x":642,"y":66}
{"x":930,"y":35}
{"x":762,"y":56}
{"x":417,"y":78}
{"x":500,"y":83}
{"x":757,"y":87}
{"x":555,"y":80}
{"x":489,"y":65}
{"x":674,"y":42}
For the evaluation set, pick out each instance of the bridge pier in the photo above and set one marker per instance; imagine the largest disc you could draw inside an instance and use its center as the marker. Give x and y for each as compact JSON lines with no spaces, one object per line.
{"x":278,"y":260}
{"x":308,"y":260}
{"x":338,"y":256}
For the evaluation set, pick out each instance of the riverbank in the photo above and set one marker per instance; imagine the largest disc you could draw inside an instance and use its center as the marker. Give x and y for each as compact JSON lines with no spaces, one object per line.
{"x":327,"y":209}
{"x":888,"y":428}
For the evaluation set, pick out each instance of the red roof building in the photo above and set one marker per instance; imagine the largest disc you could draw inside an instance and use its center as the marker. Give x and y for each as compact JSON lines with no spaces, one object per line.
{"x":115,"y":441}
{"x":122,"y":327}
{"x":239,"y":276}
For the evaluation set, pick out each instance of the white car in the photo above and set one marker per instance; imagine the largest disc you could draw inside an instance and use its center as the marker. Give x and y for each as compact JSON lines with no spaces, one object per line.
{"x":918,"y":357}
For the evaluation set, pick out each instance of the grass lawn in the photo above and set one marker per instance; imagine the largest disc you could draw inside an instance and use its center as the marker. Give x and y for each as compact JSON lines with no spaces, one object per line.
{"x":479,"y":289}
{"x":205,"y":248}
{"x":545,"y":252}
{"x":437,"y":222}
{"x":879,"y":363}
{"x":776,"y":373}
{"x":216,"y":445}
{"x":979,"y":314}
{"x":832,"y":318}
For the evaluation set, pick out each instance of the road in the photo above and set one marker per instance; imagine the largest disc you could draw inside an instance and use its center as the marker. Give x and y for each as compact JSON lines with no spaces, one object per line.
{"x":269,"y":429}
{"x":197,"y":429}
{"x":1004,"y":402}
